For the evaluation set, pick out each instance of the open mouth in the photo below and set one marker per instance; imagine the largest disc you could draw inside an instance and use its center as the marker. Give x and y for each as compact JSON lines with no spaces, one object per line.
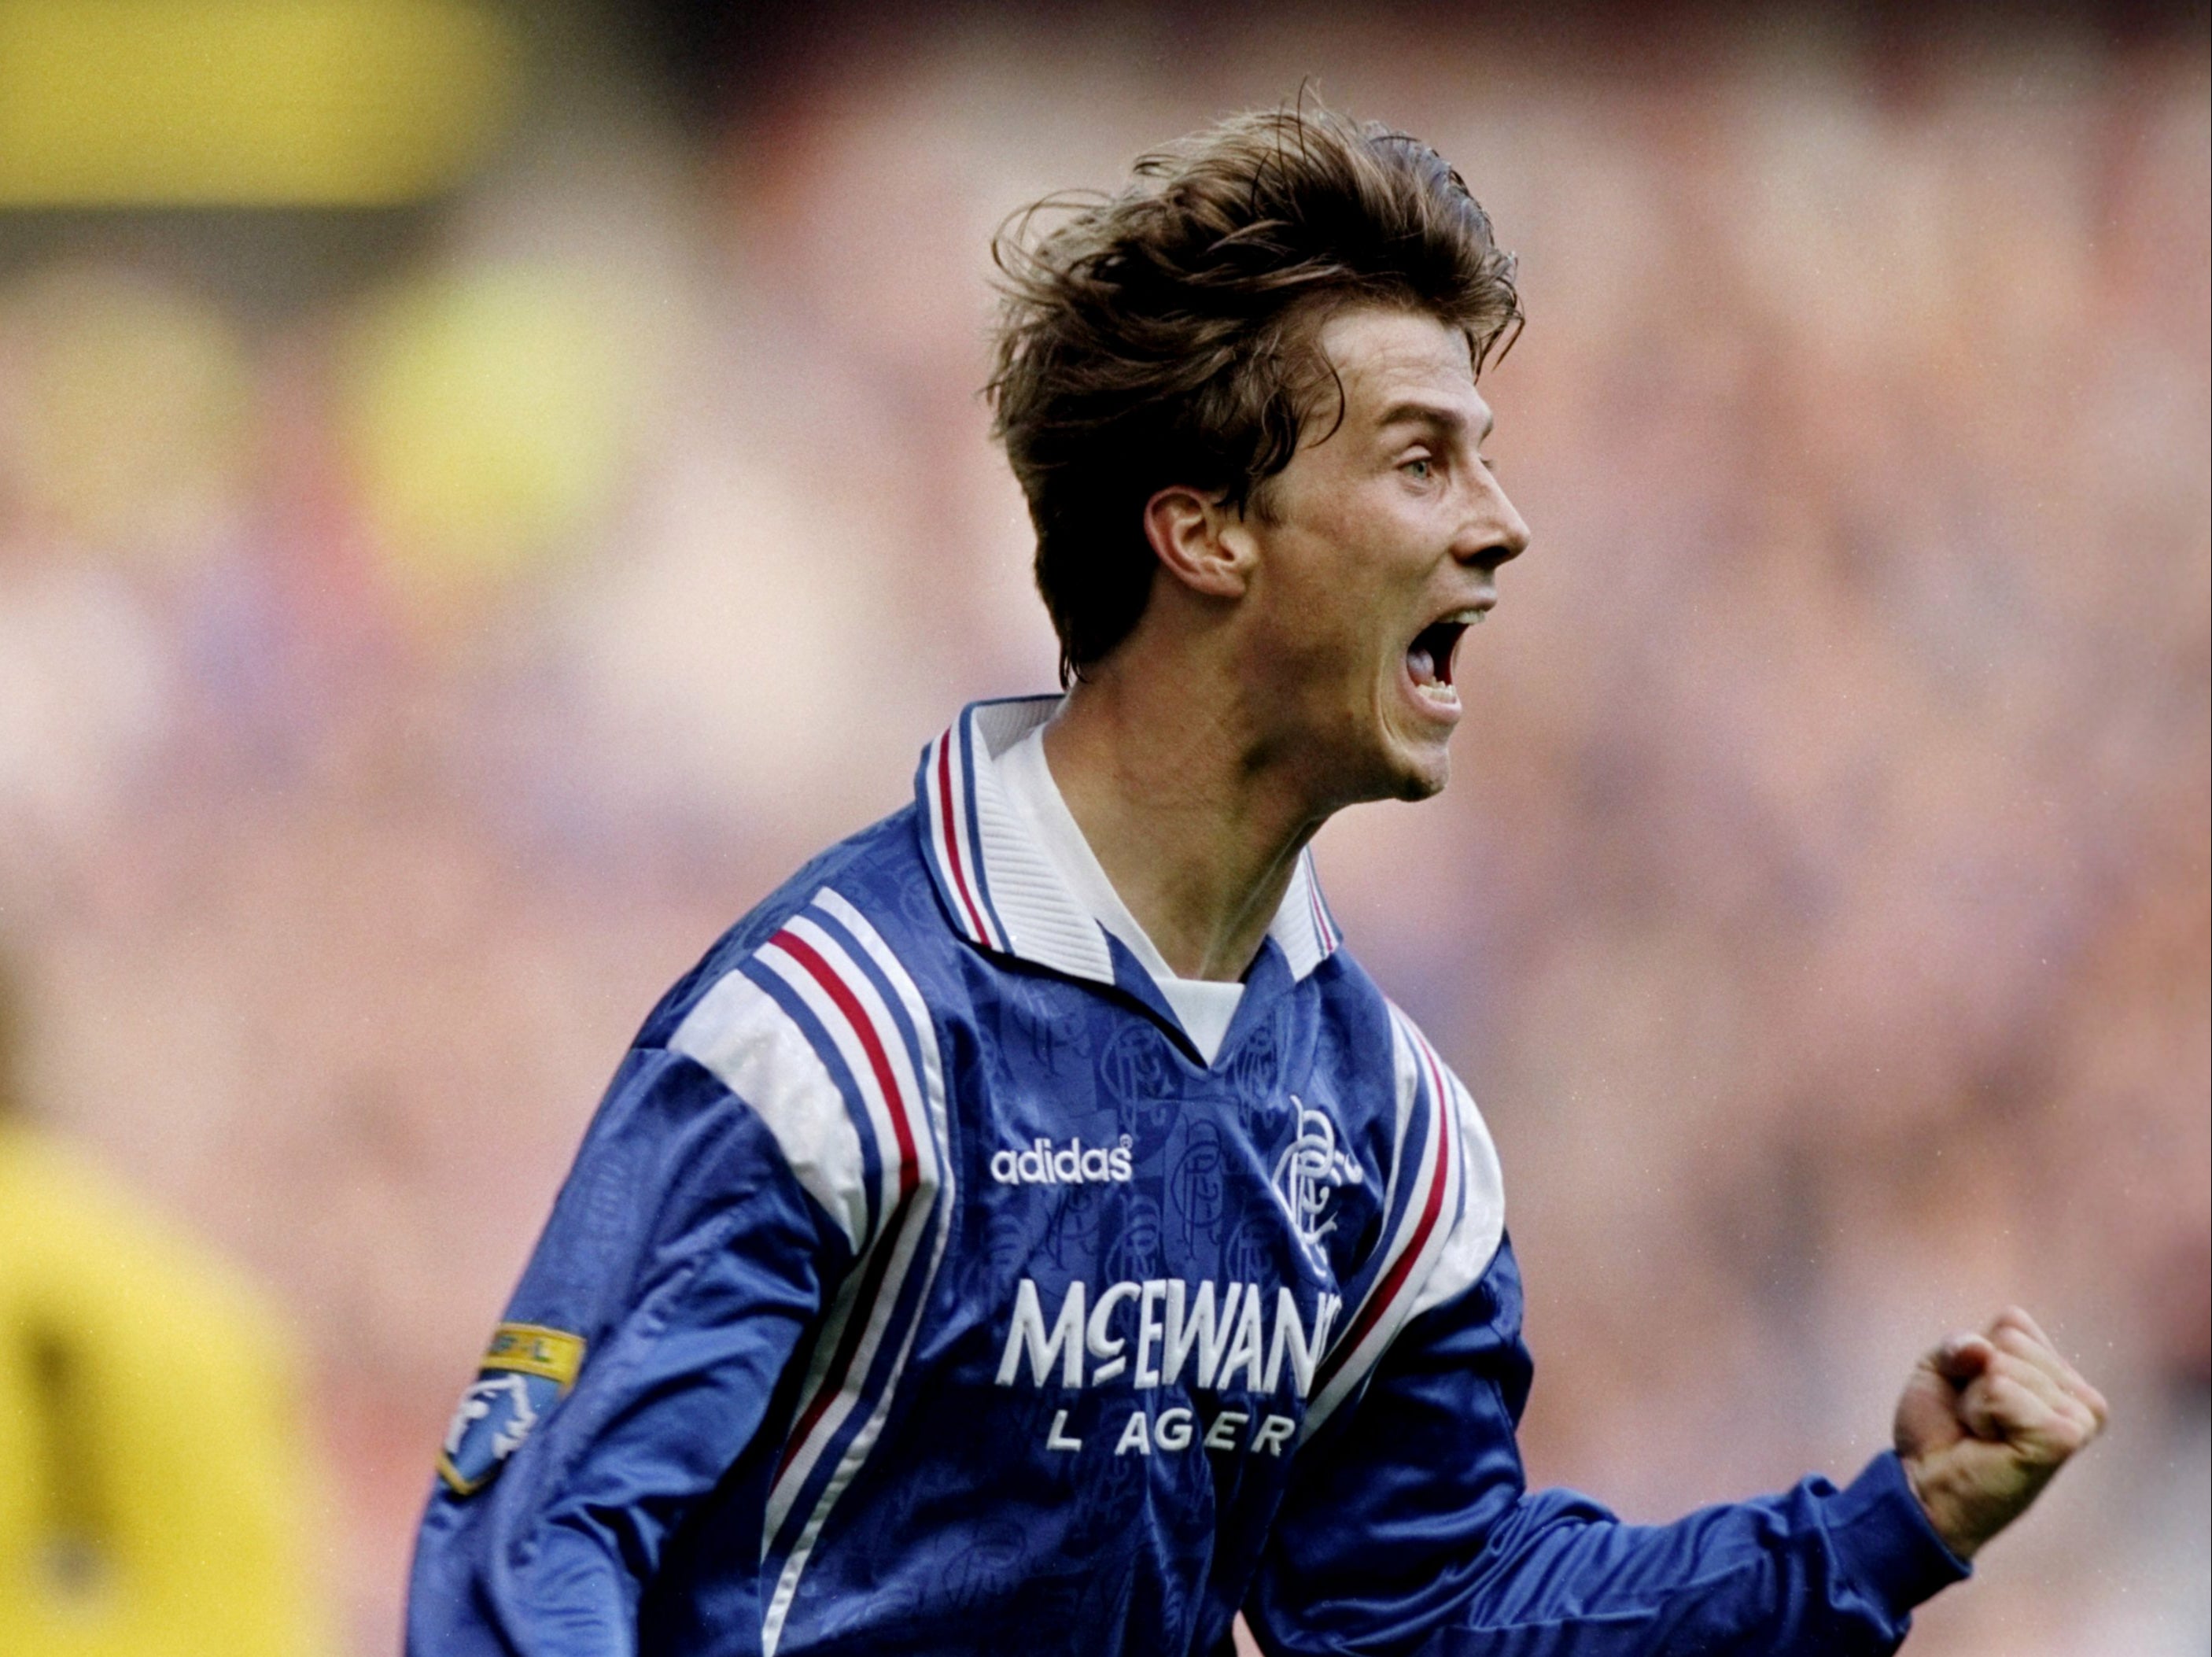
{"x":1429,"y":657}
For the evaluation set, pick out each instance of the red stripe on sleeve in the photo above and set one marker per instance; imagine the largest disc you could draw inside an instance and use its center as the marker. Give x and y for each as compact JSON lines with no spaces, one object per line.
{"x":1379,"y":1302}
{"x":849,"y":1004}
{"x":833,"y":1382}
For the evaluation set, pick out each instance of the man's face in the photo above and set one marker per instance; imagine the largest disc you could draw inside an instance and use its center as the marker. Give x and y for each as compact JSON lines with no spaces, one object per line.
{"x":1379,"y":549}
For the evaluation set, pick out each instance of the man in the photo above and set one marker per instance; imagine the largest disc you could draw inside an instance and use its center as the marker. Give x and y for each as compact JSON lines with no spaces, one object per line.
{"x":1029,"y":1230}
{"x":151,"y":1420}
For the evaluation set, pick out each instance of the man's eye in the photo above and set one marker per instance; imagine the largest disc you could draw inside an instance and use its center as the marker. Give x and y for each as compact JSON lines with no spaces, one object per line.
{"x":1421,"y":468}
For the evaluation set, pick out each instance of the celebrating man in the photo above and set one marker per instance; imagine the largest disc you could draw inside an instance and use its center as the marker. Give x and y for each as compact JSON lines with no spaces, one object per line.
{"x":1029,"y":1230}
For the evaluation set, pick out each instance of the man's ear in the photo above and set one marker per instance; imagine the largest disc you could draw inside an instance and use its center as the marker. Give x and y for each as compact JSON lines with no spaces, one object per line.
{"x":1199,"y":542}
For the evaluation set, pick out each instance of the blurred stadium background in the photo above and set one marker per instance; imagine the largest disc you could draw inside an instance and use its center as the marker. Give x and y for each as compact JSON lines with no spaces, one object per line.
{"x":485,"y":491}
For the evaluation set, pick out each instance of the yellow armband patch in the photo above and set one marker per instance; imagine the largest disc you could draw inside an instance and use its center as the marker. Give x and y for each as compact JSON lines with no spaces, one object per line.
{"x":526,"y":1369}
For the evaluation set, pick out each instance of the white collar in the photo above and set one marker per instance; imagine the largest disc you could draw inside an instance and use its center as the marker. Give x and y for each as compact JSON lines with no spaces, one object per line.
{"x":1003,"y":889}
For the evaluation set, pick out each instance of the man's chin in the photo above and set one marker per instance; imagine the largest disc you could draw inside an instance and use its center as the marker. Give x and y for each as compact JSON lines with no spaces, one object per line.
{"x":1426,"y":784}
{"x":1418,"y":772}
{"x":1387,"y":765}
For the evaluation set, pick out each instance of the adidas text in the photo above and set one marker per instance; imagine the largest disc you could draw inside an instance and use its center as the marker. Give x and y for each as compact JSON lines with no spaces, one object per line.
{"x":1073,"y":1164}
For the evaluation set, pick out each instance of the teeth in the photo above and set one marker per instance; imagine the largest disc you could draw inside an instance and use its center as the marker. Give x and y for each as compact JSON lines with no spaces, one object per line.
{"x":1439,"y":692}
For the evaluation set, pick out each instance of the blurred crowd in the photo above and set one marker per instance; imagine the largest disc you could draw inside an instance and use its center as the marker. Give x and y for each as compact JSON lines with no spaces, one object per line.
{"x":422,"y":632}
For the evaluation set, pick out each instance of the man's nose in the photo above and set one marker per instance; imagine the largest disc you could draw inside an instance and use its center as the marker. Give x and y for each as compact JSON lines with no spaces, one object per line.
{"x":1495,"y":532}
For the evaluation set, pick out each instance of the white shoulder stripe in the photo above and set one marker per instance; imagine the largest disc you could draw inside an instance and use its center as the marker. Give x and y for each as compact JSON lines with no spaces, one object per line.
{"x":909,"y":995}
{"x":859,"y":1053}
{"x":1430,"y":1206}
{"x":1454,"y":1176}
{"x":893,"y":1103}
{"x":1473,"y":1242}
{"x":751,"y":1045}
{"x":1406,"y":1071}
{"x":843,"y":1392}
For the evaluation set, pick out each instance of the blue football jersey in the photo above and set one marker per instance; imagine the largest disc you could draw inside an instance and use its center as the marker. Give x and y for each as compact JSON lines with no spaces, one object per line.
{"x":919,"y":1289}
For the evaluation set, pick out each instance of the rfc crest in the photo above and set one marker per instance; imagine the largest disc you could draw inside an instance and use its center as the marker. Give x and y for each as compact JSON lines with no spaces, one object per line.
{"x":525,"y":1370}
{"x":1308,"y":1174}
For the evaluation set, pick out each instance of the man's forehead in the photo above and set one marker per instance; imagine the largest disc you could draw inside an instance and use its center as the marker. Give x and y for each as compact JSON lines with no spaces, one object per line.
{"x":1388,"y":359}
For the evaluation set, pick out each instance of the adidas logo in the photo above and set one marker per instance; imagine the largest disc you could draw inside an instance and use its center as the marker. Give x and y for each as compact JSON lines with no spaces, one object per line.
{"x":1073,"y":1164}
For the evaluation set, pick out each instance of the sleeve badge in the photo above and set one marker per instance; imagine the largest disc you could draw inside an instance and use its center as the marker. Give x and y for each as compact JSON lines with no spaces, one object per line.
{"x":526,"y":1371}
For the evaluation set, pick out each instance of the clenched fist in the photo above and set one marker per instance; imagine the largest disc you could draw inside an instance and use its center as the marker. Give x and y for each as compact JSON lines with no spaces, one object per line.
{"x":1984,"y":1422}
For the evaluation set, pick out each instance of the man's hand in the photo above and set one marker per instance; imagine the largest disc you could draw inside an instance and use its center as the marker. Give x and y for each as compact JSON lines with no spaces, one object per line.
{"x":1984,"y":1422}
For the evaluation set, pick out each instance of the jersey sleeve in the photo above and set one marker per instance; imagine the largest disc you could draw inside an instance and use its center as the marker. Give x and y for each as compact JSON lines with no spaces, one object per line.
{"x":1408,"y":1527}
{"x":679,"y":1315}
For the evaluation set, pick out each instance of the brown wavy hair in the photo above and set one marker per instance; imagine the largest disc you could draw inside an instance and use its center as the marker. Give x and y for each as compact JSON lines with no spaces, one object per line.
{"x":1167,"y":334}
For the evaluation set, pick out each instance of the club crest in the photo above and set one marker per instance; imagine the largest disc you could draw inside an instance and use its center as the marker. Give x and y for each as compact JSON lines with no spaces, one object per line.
{"x":1308,"y":1173}
{"x":527,"y":1368}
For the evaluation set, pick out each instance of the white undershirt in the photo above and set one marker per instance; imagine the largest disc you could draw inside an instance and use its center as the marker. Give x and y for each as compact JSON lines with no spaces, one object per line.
{"x":1203,"y":1007}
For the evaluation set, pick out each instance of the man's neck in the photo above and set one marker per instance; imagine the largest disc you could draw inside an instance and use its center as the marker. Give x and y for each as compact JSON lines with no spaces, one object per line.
{"x":1199,"y":841}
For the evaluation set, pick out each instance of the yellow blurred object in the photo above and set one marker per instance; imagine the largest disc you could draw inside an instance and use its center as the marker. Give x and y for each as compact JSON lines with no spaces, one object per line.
{"x":246,"y":102}
{"x":152,"y":1466}
{"x":487,"y":414}
{"x":130,"y":409}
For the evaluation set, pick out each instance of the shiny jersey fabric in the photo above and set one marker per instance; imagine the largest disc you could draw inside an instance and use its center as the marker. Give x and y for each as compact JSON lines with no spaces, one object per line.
{"x":933,"y":1295}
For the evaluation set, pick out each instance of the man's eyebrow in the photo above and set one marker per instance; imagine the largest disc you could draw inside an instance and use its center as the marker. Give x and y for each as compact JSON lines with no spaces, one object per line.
{"x":1413,"y":411}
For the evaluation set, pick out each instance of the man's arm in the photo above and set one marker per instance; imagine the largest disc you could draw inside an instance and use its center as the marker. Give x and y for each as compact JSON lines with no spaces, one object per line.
{"x":690,"y":1260}
{"x":1410,"y":1528}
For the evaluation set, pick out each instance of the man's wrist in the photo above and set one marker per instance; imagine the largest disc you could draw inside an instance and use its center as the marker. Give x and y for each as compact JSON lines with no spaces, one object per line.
{"x":1944,"y":1512}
